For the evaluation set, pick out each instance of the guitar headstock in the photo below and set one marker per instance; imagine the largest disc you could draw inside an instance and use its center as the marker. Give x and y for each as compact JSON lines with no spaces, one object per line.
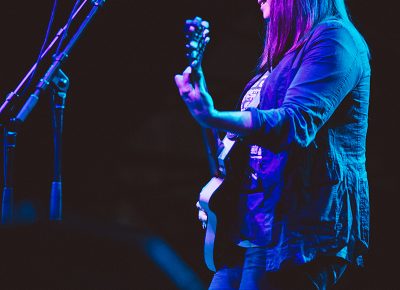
{"x":197,"y":33}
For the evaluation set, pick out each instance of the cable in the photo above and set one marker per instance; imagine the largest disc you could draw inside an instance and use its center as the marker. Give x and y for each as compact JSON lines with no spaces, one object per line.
{"x":65,"y":33}
{"x":53,"y":12}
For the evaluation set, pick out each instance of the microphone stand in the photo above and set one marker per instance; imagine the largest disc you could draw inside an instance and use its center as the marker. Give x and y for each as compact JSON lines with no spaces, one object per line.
{"x":53,"y":75}
{"x":10,"y":140}
{"x":59,"y":95}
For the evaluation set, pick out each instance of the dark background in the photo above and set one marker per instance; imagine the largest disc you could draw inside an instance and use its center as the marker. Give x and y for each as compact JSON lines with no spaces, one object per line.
{"x":133,"y":159}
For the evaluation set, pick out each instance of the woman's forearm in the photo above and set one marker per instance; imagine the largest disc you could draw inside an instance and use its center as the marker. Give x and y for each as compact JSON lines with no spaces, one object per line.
{"x":239,"y":122}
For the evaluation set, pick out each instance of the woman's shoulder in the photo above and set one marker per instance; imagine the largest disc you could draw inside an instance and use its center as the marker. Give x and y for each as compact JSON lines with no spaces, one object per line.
{"x":338,"y":25}
{"x":332,"y":24}
{"x":341,"y":30}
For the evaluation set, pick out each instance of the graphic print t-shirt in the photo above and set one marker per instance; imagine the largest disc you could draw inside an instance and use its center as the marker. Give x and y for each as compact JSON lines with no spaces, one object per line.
{"x":256,"y":214}
{"x":252,"y":99}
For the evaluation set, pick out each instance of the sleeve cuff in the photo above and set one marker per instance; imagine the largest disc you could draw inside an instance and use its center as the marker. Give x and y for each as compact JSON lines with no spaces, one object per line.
{"x":255,"y":118}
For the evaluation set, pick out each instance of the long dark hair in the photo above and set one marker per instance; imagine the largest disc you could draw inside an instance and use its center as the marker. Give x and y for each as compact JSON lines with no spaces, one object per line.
{"x":290,"y":21}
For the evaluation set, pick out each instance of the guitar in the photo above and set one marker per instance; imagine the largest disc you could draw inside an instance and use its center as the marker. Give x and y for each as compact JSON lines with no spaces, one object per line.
{"x":219,"y":209}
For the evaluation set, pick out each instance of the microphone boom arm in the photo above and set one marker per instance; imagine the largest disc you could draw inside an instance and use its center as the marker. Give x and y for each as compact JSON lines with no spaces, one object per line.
{"x":6,"y":107}
{"x":58,"y":60}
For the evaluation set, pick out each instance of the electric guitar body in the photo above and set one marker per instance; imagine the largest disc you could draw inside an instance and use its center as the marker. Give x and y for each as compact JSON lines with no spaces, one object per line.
{"x":219,"y":199}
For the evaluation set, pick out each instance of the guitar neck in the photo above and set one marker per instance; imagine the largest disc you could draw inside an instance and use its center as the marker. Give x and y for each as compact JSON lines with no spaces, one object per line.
{"x":197,"y":34}
{"x":211,"y":143}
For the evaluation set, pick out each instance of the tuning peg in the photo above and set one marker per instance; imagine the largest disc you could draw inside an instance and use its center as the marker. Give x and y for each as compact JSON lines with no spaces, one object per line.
{"x":194,"y":63}
{"x":194,"y":54}
{"x":194,"y":44}
{"x":205,"y":24}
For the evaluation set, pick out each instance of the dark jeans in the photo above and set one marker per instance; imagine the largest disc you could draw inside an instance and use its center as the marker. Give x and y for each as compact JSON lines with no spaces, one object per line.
{"x":320,"y":274}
